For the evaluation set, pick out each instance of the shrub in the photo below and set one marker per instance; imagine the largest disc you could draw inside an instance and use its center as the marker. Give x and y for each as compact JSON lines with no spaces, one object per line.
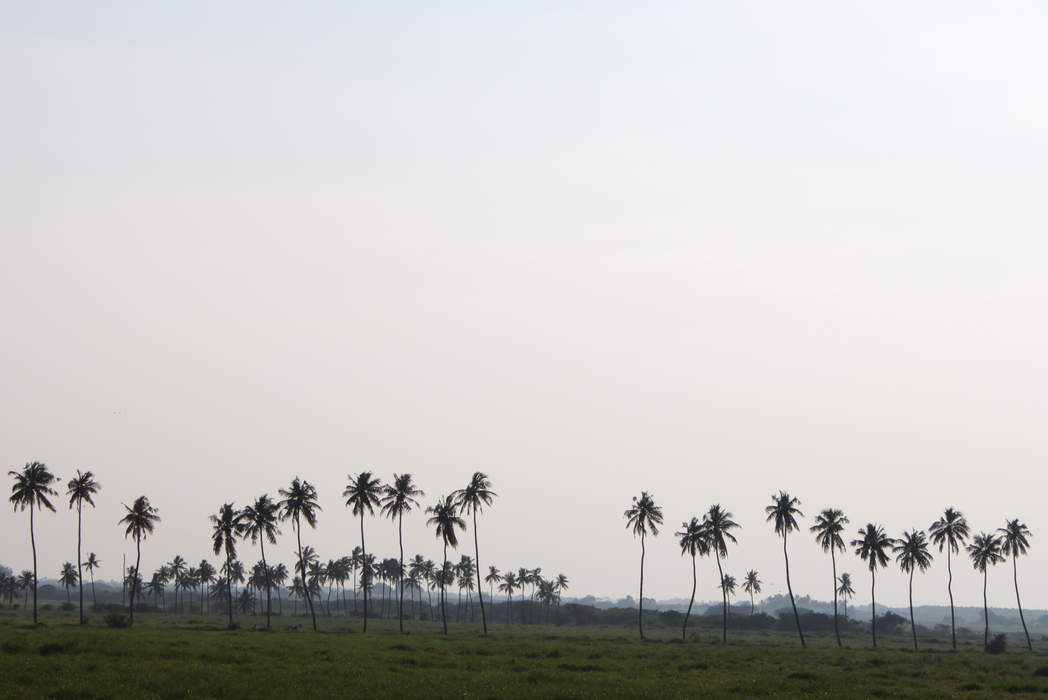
{"x":997,"y":645}
{"x":115,"y":620}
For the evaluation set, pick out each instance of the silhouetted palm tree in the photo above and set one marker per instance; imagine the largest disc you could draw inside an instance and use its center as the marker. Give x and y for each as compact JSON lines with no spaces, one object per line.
{"x":782,"y":511}
{"x":300,"y":503}
{"x":643,"y":517}
{"x":446,"y":520}
{"x":471,"y":500}
{"x":985,"y":551}
{"x":362,"y":494}
{"x":829,"y":524}
{"x":226,"y":529}
{"x":81,"y":490}
{"x":694,"y":540}
{"x":178,"y":568}
{"x":492,"y":578}
{"x":91,"y":564}
{"x":728,"y":586}
{"x":397,"y":499}
{"x":259,"y":522}
{"x":206,"y":577}
{"x":68,"y":577}
{"x":718,"y":524}
{"x":950,"y":532}
{"x":31,"y":488}
{"x":871,"y":548}
{"x":508,"y":585}
{"x":1015,"y":542}
{"x":911,"y":552}
{"x":141,"y":518}
{"x":752,"y":584}
{"x":845,"y":591}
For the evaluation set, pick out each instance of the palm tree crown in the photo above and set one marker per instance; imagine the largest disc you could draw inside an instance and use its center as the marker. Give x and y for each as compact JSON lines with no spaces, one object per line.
{"x":82,"y":488}
{"x":299,"y":503}
{"x":985,"y":550}
{"x":363,"y":492}
{"x":643,"y":516}
{"x":259,"y":520}
{"x":446,"y":520}
{"x":951,"y":530}
{"x":783,"y":510}
{"x":140,"y":519}
{"x":1015,"y":538}
{"x":829,"y":524}
{"x":476,"y":495}
{"x":719,"y":524}
{"x":694,"y":538}
{"x":872,"y":546}
{"x":32,"y":487}
{"x":400,"y":496}
{"x":911,"y":552}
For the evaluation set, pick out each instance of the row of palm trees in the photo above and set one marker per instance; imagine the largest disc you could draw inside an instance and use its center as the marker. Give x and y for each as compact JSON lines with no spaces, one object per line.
{"x":912,"y":551}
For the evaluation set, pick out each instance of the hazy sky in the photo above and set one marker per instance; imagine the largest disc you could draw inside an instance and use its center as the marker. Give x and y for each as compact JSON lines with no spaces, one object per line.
{"x":709,"y":250}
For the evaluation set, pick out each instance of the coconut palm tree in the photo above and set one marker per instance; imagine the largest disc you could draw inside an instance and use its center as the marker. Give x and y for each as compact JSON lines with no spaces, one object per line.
{"x":397,"y":499}
{"x":871,"y":547}
{"x":752,"y":584}
{"x":31,"y":488}
{"x":81,"y":490}
{"x":694,"y":540}
{"x":492,"y":578}
{"x":206,"y":576}
{"x":91,"y":564}
{"x":363,"y":493}
{"x":470,"y":501}
{"x":950,"y":532}
{"x":911,"y":552}
{"x":226,"y":529}
{"x":68,"y":578}
{"x":643,"y":516}
{"x":300,"y":503}
{"x":1015,"y":542}
{"x":783,"y":511}
{"x":178,"y":568}
{"x":719,"y":524}
{"x":141,"y":519}
{"x":259,"y":522}
{"x":845,"y":591}
{"x":25,"y":582}
{"x":728,"y":586}
{"x":985,"y":551}
{"x":508,"y":585}
{"x":829,"y":524}
{"x":445,"y":520}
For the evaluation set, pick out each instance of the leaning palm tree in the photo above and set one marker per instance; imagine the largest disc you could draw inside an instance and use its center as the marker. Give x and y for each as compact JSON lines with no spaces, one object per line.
{"x":871,"y":547}
{"x":300,"y":503}
{"x":363,"y":493}
{"x":397,"y":499}
{"x":91,"y":564}
{"x":829,"y":524}
{"x":226,"y":529}
{"x":1015,"y":542}
{"x":719,"y":524}
{"x":985,"y":551}
{"x":911,"y":552}
{"x":643,"y":516}
{"x":31,"y":488}
{"x":81,"y":490}
{"x":783,"y":511}
{"x":141,"y":518}
{"x":259,"y":522}
{"x":694,"y":540}
{"x":68,"y":578}
{"x":752,"y":584}
{"x":471,"y":500}
{"x":845,"y":591}
{"x":950,"y":532}
{"x":445,"y":520}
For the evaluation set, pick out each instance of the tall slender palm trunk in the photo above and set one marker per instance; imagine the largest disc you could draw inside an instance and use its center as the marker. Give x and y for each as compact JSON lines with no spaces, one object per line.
{"x":949,"y":590}
{"x":789,"y":587}
{"x":913,"y":625}
{"x":873,"y":605}
{"x":134,"y":579}
{"x":1015,"y":577}
{"x":986,"y":614}
{"x":364,"y":558}
{"x":32,"y":542}
{"x":480,"y":594}
{"x":400,"y":584}
{"x":694,"y":585}
{"x":724,"y":601}
{"x":640,"y":606}
{"x":229,"y":586}
{"x":836,"y":624}
{"x":79,"y":557}
{"x":443,"y":590}
{"x":305,"y":586}
{"x":269,"y":583}
{"x":94,"y":597}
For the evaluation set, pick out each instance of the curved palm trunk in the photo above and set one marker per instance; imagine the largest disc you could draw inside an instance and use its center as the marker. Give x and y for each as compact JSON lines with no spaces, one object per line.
{"x":873,"y":605}
{"x":986,"y":614}
{"x":480,"y":588}
{"x":79,"y":557}
{"x":949,"y":590}
{"x":32,"y":541}
{"x":913,"y":625}
{"x":694,"y":585}
{"x":134,"y":579}
{"x":269,"y":583}
{"x":364,"y":558}
{"x":229,"y":585}
{"x":400,"y":536}
{"x":443,"y":590}
{"x":836,"y":625}
{"x":1015,"y":576}
{"x":724,"y":601}
{"x":789,"y":587}
{"x":640,"y":606}
{"x":302,"y":563}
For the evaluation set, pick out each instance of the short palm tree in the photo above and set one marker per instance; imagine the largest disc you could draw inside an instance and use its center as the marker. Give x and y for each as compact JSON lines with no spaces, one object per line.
{"x":68,"y":577}
{"x":397,"y":499}
{"x":829,"y":524}
{"x":783,"y":511}
{"x":492,"y":578}
{"x":694,"y":540}
{"x":950,"y":532}
{"x":871,"y":548}
{"x":643,"y":516}
{"x":508,"y":585}
{"x":362,"y":494}
{"x":911,"y":552}
{"x":259,"y":522}
{"x":178,"y":568}
{"x":300,"y":503}
{"x":845,"y":591}
{"x":141,"y":519}
{"x":985,"y":551}
{"x":81,"y":490}
{"x":31,"y":488}
{"x":718,"y":524}
{"x":91,"y":564}
{"x":471,"y":500}
{"x":728,"y":586}
{"x":445,"y":519}
{"x":226,"y":529}
{"x":752,"y":585}
{"x":1015,"y":542}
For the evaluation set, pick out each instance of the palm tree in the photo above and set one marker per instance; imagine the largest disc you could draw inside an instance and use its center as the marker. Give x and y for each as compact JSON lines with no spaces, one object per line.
{"x":141,"y":518}
{"x":363,"y":493}
{"x":81,"y":490}
{"x":91,"y":564}
{"x":259,"y":522}
{"x":470,"y":501}
{"x":728,"y":586}
{"x":300,"y":503}
{"x":984,"y":551}
{"x":178,"y":568}
{"x":68,"y":578}
{"x":445,"y":519}
{"x":643,"y":517}
{"x":752,"y":584}
{"x":397,"y":499}
{"x":1015,"y":542}
{"x":871,"y":548}
{"x":25,"y":582}
{"x":226,"y":528}
{"x":206,"y":576}
{"x":694,"y":540}
{"x":31,"y":488}
{"x":492,"y":578}
{"x":845,"y":590}
{"x":829,"y":524}
{"x":508,"y":585}
{"x":950,"y":532}
{"x":911,"y":552}
{"x":782,"y":511}
{"x":719,"y":524}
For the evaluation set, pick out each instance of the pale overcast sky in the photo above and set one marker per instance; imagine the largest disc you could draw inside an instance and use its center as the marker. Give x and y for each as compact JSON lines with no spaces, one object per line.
{"x":708,"y":250}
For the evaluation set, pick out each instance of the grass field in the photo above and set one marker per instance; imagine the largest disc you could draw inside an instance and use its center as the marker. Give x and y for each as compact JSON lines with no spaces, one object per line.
{"x":170,"y":656}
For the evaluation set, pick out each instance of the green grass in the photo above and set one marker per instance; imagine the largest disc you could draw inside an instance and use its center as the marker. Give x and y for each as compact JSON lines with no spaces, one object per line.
{"x":169,"y":656}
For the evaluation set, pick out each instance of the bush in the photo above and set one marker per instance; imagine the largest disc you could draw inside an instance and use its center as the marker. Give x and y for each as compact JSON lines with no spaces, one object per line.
{"x":115,"y":620}
{"x":997,"y":645}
